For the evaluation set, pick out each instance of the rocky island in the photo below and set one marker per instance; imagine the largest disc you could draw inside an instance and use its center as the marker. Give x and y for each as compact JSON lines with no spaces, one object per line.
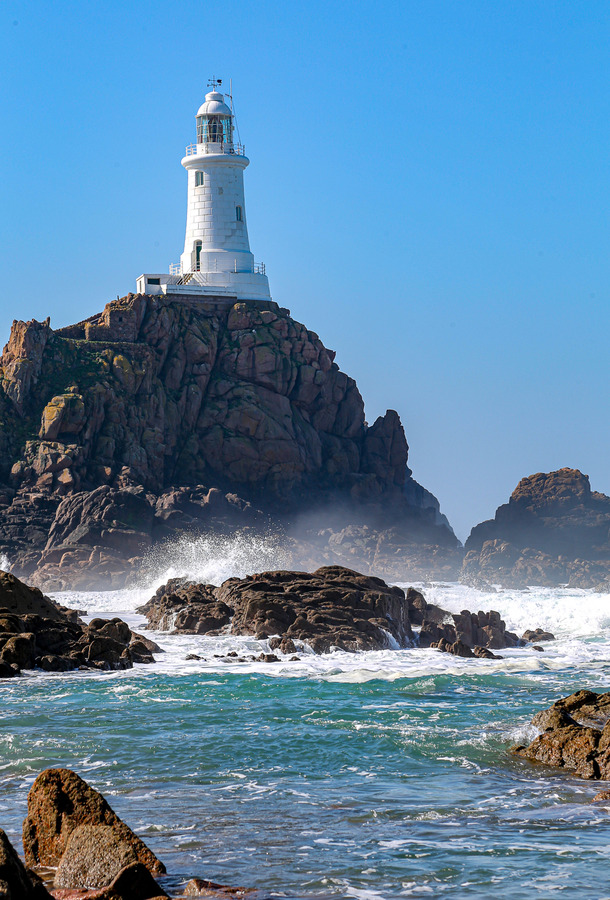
{"x":164,"y":416}
{"x":553,"y":531}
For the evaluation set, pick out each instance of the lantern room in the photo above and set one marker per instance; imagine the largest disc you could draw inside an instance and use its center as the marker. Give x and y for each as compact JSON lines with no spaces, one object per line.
{"x":214,"y":121}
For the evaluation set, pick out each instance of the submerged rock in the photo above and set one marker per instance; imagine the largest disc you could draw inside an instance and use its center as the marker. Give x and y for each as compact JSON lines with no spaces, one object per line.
{"x":575,"y":735}
{"x":59,"y":802}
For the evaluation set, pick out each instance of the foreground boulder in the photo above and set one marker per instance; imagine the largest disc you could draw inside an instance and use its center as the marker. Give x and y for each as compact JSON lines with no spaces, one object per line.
{"x":60,"y":802}
{"x":575,"y":735}
{"x":94,"y":856}
{"x":17,"y":882}
{"x":553,"y":531}
{"x":331,"y":607}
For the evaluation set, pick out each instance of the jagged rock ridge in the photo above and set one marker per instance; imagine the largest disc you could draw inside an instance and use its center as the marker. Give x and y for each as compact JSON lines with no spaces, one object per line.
{"x":159,"y":393}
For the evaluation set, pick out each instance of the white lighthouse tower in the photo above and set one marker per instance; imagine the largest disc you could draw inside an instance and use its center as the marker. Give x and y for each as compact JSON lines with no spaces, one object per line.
{"x":216,"y":260}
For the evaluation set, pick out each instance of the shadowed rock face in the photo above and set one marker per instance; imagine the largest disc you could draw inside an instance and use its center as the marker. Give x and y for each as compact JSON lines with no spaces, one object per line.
{"x":554,"y":530}
{"x":36,"y":632}
{"x":575,"y":734}
{"x":17,"y":882}
{"x":102,"y":433}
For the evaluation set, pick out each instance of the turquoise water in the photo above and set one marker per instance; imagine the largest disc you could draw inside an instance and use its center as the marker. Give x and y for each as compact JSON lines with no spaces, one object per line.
{"x":375,"y":775}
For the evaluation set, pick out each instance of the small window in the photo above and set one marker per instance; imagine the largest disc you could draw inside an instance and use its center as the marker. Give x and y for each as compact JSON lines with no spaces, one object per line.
{"x":221,"y":190}
{"x":154,"y":281}
{"x":238,"y":213}
{"x":199,"y":179}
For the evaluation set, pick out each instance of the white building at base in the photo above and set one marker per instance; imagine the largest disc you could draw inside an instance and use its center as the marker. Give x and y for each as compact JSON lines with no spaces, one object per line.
{"x":216,"y":260}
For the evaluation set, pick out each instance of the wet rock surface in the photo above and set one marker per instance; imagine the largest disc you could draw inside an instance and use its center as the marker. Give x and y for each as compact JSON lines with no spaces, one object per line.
{"x":442,"y":629}
{"x":56,"y":640}
{"x":163,"y":416}
{"x":553,"y":531}
{"x":331,"y":607}
{"x":575,"y":735}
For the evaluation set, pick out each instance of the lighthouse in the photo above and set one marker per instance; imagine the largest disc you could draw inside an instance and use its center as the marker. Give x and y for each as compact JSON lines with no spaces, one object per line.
{"x":216,"y":260}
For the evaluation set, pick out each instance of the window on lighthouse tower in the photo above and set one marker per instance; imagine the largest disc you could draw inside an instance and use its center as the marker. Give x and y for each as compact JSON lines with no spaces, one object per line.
{"x":238,"y":213}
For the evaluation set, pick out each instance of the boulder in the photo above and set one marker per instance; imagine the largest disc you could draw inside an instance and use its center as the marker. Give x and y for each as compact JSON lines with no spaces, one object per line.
{"x":17,"y":882}
{"x":60,"y":801}
{"x":575,"y":735}
{"x":134,"y":882}
{"x":21,"y":599}
{"x":94,"y":856}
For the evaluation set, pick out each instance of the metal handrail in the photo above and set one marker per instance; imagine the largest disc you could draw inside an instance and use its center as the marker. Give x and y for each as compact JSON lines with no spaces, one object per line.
{"x":212,"y":147}
{"x":256,"y":269}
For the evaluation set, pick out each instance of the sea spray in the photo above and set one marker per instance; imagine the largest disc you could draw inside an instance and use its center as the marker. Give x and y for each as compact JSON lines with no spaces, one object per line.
{"x":212,"y":558}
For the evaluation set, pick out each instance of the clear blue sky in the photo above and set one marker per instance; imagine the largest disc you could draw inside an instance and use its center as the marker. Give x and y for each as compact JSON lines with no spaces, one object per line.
{"x":429,"y":187}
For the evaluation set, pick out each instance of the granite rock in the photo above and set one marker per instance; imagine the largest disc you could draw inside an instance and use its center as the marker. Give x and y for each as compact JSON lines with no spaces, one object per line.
{"x":553,"y":531}
{"x":59,"y":802}
{"x":166,"y":414}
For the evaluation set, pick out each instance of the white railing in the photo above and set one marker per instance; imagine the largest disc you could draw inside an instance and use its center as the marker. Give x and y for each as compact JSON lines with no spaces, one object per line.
{"x":218,"y":147}
{"x":175,"y":269}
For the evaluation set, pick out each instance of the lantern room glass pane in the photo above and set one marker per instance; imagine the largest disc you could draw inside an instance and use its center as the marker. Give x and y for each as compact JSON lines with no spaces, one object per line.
{"x":214,"y":130}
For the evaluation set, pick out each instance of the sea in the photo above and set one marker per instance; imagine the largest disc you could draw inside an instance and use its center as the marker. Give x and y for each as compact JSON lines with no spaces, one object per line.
{"x":359,"y":775}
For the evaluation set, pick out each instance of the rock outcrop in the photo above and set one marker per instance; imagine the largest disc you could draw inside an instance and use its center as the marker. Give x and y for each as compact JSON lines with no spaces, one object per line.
{"x":553,"y":531}
{"x":574,"y":734}
{"x":166,"y":413}
{"x":70,"y":828}
{"x":55,"y":640}
{"x":461,"y":631}
{"x":331,"y":607}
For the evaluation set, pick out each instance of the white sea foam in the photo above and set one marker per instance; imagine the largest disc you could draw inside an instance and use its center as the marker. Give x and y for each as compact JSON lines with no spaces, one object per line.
{"x":579,"y":619}
{"x":566,"y":612}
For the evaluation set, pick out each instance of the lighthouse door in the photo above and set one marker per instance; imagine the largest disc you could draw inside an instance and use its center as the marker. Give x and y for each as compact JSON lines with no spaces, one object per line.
{"x":198,"y":256}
